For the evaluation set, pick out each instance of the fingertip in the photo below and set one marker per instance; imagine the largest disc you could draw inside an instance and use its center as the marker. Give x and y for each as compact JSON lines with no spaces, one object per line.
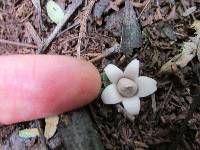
{"x":34,"y":87}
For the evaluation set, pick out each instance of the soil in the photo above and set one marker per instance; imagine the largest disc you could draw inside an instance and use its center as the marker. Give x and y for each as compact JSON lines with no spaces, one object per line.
{"x":172,"y":124}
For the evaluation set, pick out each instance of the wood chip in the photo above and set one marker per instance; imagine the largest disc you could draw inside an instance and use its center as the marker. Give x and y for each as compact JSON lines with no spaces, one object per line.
{"x":51,"y":126}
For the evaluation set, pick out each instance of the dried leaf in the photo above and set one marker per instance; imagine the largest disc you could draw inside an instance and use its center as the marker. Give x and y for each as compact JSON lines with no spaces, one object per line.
{"x":190,"y":50}
{"x":54,"y":11}
{"x":198,"y":54}
{"x":196,"y":26}
{"x":131,"y":33}
{"x":51,"y":126}
{"x":29,"y":133}
{"x":180,"y":60}
{"x":189,"y":11}
{"x":196,"y":39}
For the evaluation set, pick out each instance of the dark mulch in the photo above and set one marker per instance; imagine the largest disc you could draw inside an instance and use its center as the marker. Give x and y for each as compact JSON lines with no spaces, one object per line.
{"x":150,"y":130}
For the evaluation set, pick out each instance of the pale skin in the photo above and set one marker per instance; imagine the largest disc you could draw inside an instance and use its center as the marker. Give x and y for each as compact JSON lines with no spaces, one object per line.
{"x":37,"y":86}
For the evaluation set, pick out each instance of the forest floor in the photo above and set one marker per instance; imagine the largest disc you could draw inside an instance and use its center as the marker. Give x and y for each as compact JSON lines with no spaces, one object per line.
{"x":166,"y":119}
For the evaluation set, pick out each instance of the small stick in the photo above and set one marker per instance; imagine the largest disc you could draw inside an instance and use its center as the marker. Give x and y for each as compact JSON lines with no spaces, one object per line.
{"x":144,"y":8}
{"x":166,"y":99}
{"x":71,"y":9}
{"x":185,"y":8}
{"x":76,"y":24}
{"x":101,"y":56}
{"x":33,"y":33}
{"x":83,"y":27}
{"x":18,"y":44}
{"x":37,"y":5}
{"x":29,"y":15}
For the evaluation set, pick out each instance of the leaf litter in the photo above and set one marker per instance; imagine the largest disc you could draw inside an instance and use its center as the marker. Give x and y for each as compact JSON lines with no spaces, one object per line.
{"x":189,"y":50}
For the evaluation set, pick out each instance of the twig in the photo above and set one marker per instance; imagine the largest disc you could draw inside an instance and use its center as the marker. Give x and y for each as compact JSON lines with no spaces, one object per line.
{"x":167,"y":97}
{"x":75,"y":24}
{"x":148,"y":2}
{"x":29,"y":15}
{"x":99,"y":57}
{"x":17,"y":43}
{"x":115,"y":48}
{"x":71,"y":9}
{"x":37,"y":5}
{"x":88,"y":37}
{"x":183,"y":3}
{"x":185,"y":8}
{"x":33,"y":33}
{"x":83,"y":27}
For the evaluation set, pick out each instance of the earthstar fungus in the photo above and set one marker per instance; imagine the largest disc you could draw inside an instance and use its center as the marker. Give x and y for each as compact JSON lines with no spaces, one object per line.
{"x":127,"y":87}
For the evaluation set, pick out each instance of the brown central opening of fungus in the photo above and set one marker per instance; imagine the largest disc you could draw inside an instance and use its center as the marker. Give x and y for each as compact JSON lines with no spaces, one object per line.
{"x":127,"y":87}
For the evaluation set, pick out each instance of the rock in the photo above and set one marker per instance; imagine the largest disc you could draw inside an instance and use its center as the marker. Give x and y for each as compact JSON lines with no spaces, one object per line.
{"x":80,"y":133}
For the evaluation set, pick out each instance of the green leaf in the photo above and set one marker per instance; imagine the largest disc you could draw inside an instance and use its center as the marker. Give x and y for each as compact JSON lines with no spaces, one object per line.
{"x":105,"y":79}
{"x":54,"y":11}
{"x":29,"y":133}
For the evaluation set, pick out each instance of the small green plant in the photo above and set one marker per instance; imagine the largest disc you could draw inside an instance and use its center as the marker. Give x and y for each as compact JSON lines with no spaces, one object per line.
{"x":55,"y":12}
